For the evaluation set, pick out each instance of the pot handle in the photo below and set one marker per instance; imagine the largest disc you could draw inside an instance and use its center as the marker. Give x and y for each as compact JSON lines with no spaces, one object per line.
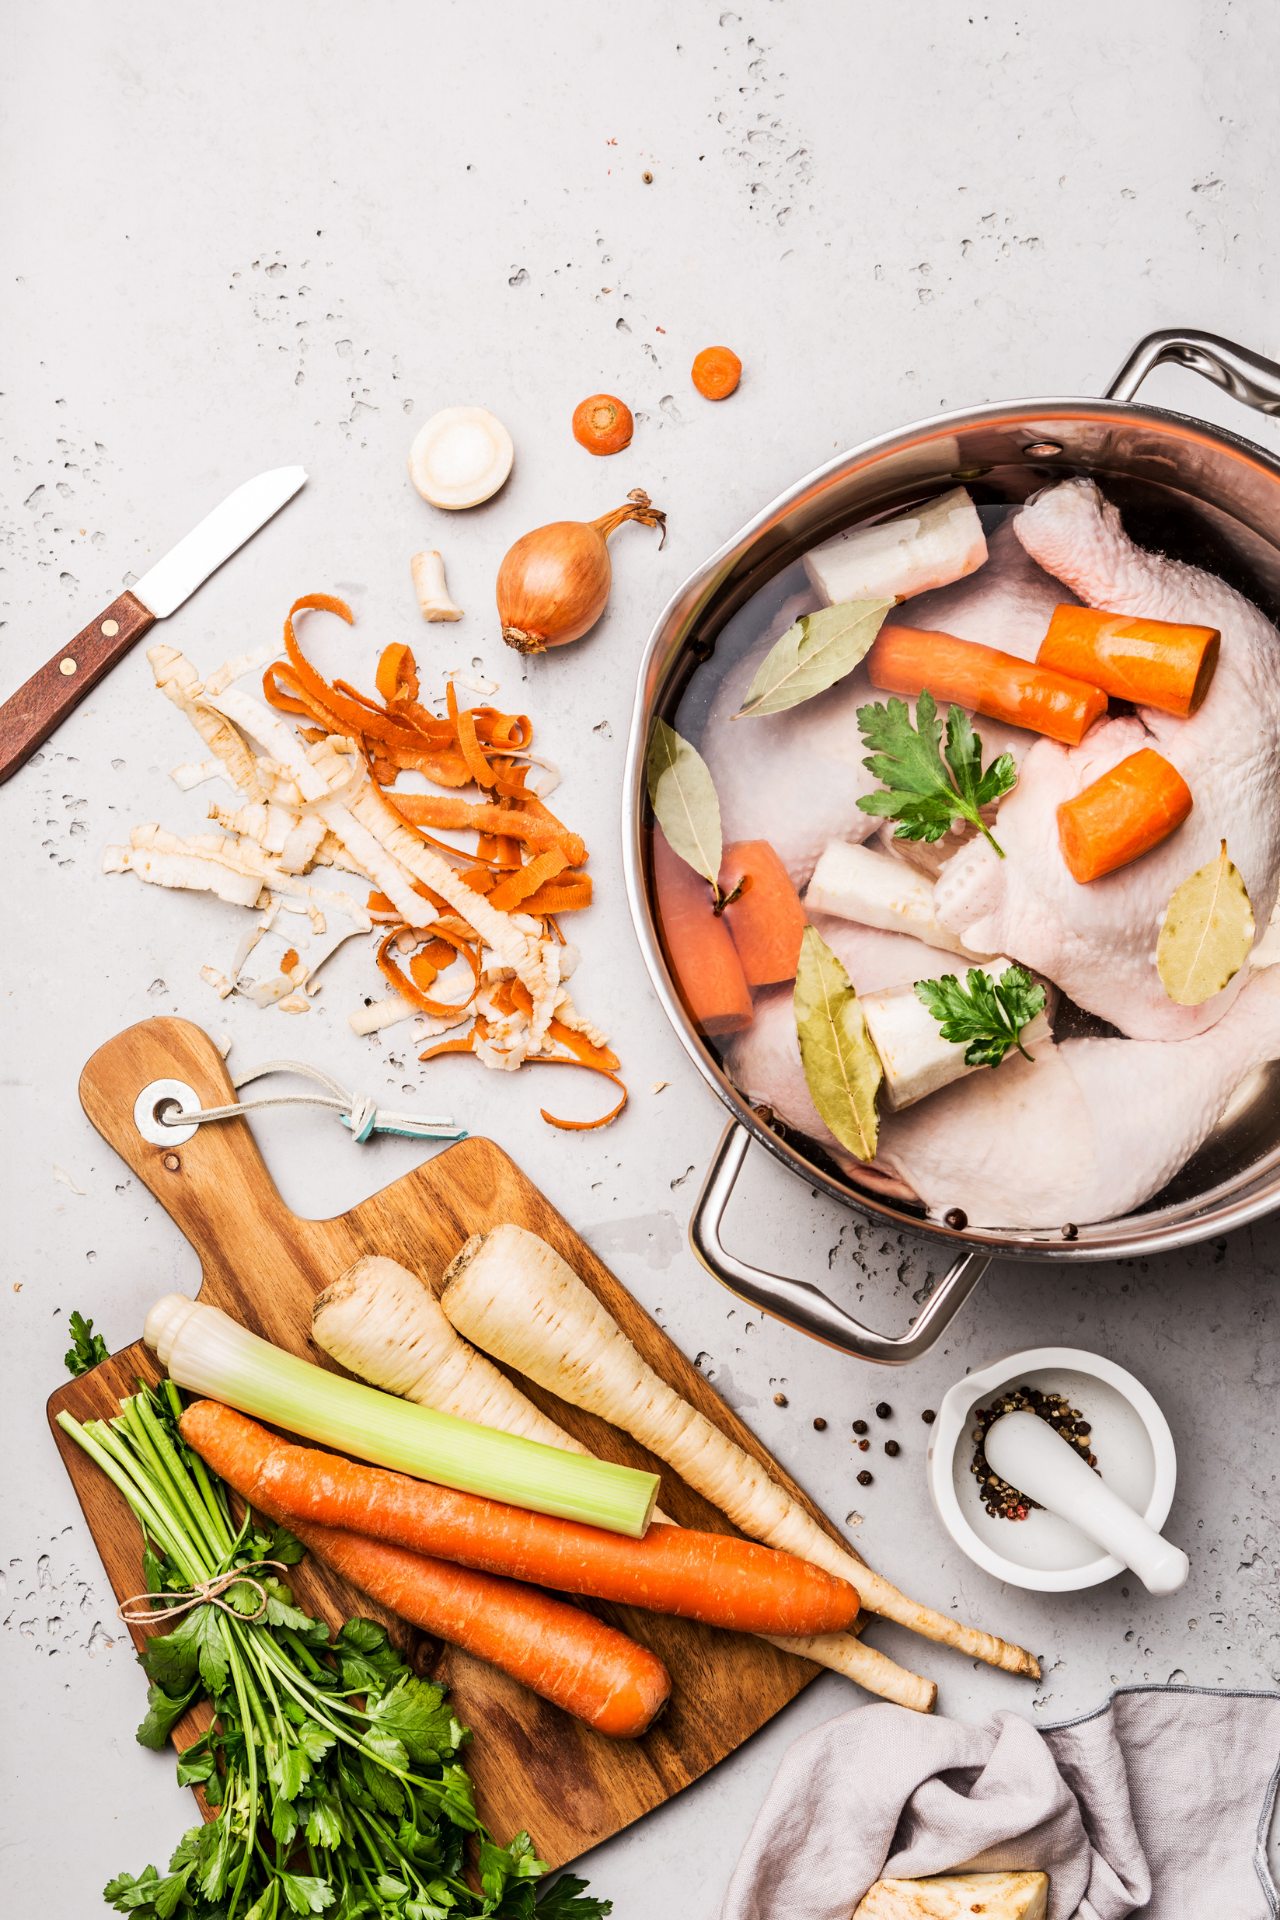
{"x":1244,"y":375}
{"x":797,"y":1302}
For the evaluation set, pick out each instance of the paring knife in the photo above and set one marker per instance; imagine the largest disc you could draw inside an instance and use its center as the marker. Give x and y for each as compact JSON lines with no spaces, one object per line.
{"x":31,"y":714}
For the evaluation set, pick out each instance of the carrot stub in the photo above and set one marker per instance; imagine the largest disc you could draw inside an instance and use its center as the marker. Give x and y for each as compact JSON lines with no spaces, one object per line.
{"x":1019,"y":692}
{"x":1154,"y":663}
{"x":1123,"y":815}
{"x":569,"y":1657}
{"x":603,"y":424}
{"x":704,"y":959}
{"x":712,"y":1577}
{"x":766,"y":920}
{"x":716,"y":372}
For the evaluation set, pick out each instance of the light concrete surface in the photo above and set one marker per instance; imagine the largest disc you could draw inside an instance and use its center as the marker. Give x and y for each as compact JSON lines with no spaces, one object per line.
{"x":250,"y":235}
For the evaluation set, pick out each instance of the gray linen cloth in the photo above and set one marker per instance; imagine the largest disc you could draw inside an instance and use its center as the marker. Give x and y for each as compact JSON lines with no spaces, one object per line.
{"x":1159,"y":1802}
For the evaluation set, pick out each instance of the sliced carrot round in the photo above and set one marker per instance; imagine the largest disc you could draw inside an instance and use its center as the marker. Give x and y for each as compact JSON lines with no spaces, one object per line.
{"x":716,"y":372}
{"x":603,"y":424}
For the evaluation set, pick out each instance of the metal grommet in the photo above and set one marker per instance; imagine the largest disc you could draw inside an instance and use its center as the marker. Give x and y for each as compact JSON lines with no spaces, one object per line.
{"x":1042,"y":450}
{"x":159,"y":1094}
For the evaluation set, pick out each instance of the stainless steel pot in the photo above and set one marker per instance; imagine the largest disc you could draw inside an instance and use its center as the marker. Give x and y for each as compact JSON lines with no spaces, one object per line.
{"x":1186,"y":486}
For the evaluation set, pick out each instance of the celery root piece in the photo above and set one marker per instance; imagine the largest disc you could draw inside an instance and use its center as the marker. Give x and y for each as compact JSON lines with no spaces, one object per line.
{"x":512,"y":1295}
{"x":381,"y":1323}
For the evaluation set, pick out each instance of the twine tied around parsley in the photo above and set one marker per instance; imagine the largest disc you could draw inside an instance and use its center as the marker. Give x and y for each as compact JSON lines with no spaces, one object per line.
{"x":140,"y":1607}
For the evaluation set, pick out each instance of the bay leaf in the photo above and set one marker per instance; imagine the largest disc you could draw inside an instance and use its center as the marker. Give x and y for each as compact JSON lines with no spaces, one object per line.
{"x":840,"y":1062}
{"x":683,"y":797}
{"x":1207,"y":933}
{"x":812,"y":655}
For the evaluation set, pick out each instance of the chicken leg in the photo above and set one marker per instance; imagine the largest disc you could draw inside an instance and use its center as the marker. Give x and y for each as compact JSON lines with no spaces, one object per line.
{"x":1088,"y":1131}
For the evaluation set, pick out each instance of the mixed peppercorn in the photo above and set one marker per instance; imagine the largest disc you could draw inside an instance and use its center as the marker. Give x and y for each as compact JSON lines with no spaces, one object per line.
{"x":1002,"y":1501}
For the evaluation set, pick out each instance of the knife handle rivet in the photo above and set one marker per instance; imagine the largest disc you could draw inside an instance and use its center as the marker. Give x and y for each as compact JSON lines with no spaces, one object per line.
{"x":66,"y":666}
{"x":111,"y":628}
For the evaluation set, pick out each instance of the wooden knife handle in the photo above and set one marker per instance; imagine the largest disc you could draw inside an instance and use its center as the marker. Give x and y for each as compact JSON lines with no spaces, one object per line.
{"x":31,"y":714}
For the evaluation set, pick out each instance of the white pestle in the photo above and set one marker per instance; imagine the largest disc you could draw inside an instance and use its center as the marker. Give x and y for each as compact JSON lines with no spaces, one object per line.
{"x":1026,"y":1452}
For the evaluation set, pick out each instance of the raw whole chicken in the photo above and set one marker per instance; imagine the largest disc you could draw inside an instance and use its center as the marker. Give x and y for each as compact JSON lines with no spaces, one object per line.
{"x":1088,"y":1132}
{"x":1098,"y":941}
{"x":795,"y":778}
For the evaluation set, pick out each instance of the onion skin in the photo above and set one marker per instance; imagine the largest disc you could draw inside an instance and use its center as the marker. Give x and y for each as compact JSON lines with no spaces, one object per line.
{"x":553,"y":585}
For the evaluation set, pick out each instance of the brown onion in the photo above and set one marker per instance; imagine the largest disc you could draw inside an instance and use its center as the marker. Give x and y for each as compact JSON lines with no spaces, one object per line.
{"x":554,"y":583}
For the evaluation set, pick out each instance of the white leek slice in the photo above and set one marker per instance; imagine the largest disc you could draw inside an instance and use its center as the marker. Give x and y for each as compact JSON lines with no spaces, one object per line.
{"x":857,"y":883}
{"x":929,"y":547}
{"x":460,"y":457}
{"x":211,"y":1354}
{"x":917,"y":1060}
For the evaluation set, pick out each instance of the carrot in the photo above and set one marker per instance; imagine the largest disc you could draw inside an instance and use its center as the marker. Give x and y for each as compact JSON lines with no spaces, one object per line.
{"x":766,"y":920}
{"x":907,"y":660}
{"x":603,"y":424}
{"x":712,"y":1577}
{"x":1123,"y":815}
{"x":703,"y":957}
{"x":569,"y":1657}
{"x":716,"y":372}
{"x":1154,"y":663}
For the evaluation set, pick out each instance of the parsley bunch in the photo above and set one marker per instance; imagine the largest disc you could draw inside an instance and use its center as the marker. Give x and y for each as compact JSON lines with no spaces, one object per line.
{"x":986,"y":1013}
{"x":335,"y":1770}
{"x":923,"y":791}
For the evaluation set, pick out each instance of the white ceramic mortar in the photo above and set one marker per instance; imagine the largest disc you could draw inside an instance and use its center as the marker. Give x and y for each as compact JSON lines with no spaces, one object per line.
{"x":1130,"y":1438}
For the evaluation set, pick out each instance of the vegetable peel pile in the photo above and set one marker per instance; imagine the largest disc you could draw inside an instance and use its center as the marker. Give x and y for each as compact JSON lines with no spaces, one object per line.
{"x":479,"y":928}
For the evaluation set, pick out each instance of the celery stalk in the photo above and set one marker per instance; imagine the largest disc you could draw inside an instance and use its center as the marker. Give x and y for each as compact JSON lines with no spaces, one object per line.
{"x":214,"y":1356}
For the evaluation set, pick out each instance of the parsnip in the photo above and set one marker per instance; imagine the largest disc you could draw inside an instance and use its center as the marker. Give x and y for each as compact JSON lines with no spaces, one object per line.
{"x":857,"y":883}
{"x":928,"y":546}
{"x":381,"y":1323}
{"x":429,"y":585}
{"x":512,"y":1295}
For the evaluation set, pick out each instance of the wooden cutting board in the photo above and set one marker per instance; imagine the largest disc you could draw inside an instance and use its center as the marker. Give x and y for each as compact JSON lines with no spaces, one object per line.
{"x":533,"y":1765}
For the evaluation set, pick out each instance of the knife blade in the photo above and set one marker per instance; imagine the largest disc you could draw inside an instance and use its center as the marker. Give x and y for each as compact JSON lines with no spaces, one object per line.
{"x":29,"y":716}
